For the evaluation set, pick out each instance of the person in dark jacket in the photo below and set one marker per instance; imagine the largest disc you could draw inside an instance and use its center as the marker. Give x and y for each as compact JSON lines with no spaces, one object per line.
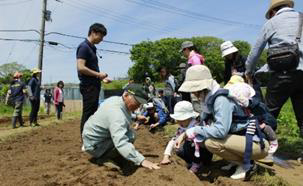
{"x":234,"y":64}
{"x":47,"y":100}
{"x":17,"y":92}
{"x":34,"y":96}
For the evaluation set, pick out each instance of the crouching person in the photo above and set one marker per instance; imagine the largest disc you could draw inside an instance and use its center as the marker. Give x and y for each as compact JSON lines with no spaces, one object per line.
{"x":107,"y":134}
{"x":222,"y":136}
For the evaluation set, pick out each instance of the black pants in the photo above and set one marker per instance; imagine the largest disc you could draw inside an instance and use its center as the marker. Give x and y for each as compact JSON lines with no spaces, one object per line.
{"x":59,"y":109}
{"x":35,"y":104}
{"x":187,"y":154}
{"x":90,"y":96}
{"x":170,"y":103}
{"x":282,"y":86}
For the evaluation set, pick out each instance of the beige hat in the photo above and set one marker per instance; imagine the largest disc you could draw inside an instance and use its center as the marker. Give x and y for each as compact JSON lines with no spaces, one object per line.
{"x":35,"y":70}
{"x":197,"y":78}
{"x":275,"y":3}
{"x":228,"y":48}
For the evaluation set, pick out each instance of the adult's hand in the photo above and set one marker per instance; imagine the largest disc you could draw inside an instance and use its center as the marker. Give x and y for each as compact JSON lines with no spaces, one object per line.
{"x":249,"y":79}
{"x":153,"y":126}
{"x":107,"y":80}
{"x":102,"y":75}
{"x":149,"y":165}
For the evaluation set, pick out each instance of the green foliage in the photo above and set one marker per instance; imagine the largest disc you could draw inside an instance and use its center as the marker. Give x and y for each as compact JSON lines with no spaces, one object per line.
{"x":149,"y":56}
{"x":116,"y":84}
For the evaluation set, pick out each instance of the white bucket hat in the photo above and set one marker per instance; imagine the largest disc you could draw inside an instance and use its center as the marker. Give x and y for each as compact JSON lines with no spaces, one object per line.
{"x":184,"y":110}
{"x":148,"y":105}
{"x":197,"y":78}
{"x":228,"y":48}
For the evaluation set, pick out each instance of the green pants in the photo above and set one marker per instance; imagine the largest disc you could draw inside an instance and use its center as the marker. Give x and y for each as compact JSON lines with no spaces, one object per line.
{"x":18,"y":108}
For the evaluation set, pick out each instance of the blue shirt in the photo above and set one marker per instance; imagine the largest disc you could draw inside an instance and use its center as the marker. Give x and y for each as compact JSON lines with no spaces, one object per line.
{"x":87,"y":51}
{"x":17,"y":90}
{"x":281,"y":29}
{"x":35,"y":88}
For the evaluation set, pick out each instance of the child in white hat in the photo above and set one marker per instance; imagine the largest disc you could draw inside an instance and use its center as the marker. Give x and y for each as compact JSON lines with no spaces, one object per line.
{"x":185,"y":116}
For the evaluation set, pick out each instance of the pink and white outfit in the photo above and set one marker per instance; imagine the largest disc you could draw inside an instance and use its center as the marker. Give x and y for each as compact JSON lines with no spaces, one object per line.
{"x":195,"y":58}
{"x":58,"y":101}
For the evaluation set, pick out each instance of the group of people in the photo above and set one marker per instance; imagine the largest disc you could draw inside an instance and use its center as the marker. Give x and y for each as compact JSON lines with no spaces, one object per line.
{"x":232,"y":123}
{"x":18,"y":90}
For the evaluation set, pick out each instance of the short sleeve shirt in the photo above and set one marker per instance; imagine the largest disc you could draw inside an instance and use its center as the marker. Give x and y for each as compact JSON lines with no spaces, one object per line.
{"x":87,"y":51}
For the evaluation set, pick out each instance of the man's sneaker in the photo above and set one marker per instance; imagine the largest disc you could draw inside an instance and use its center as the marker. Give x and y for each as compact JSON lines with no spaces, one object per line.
{"x":239,"y":174}
{"x":228,"y":167}
{"x":195,"y":167}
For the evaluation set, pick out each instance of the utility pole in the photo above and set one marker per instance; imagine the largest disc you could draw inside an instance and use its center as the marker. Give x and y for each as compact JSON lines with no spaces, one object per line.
{"x":42,"y":31}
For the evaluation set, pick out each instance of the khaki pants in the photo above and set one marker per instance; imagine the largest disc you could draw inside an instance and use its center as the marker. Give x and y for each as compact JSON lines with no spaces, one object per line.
{"x":233,"y":146}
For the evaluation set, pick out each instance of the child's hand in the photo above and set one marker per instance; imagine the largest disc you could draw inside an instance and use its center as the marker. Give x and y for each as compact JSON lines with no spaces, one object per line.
{"x":165,"y":160}
{"x":180,"y":140}
{"x":262,"y":126}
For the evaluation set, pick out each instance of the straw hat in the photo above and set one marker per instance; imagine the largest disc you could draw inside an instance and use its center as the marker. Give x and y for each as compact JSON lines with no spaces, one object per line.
{"x":184,"y":110}
{"x":35,"y":70}
{"x":197,"y":78}
{"x":228,"y":48}
{"x":276,"y":3}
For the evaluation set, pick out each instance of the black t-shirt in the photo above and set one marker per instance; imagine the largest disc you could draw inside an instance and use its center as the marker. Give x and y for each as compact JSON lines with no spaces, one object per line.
{"x":87,"y":51}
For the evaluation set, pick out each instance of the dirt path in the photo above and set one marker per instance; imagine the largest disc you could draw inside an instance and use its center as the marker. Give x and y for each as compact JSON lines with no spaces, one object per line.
{"x":51,"y":156}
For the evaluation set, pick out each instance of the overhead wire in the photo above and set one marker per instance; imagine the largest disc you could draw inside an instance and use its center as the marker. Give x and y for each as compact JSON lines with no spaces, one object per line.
{"x":125,"y":19}
{"x":183,"y":12}
{"x":14,"y":3}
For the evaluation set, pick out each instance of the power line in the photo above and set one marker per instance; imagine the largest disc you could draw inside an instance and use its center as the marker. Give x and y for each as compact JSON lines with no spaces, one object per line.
{"x":79,"y":37}
{"x":125,"y":19}
{"x":63,"y":45}
{"x":183,"y":12}
{"x":28,"y":30}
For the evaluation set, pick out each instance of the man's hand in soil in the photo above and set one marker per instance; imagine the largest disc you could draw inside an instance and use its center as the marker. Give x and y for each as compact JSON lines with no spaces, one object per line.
{"x":102,"y":75}
{"x":149,"y":165}
{"x":180,"y":140}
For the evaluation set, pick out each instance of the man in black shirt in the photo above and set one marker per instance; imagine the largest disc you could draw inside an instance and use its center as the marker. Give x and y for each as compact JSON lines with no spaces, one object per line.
{"x":88,"y":71}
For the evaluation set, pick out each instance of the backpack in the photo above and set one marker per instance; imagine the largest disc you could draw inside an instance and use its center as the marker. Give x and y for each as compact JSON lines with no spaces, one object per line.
{"x":260,"y":114}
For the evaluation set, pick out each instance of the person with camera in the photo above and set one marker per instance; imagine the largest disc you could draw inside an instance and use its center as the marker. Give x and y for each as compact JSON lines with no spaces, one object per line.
{"x":282,"y":32}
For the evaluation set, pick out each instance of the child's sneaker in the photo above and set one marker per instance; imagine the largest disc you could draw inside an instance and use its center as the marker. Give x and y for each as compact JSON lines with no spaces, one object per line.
{"x":273,"y":146}
{"x":195,"y":167}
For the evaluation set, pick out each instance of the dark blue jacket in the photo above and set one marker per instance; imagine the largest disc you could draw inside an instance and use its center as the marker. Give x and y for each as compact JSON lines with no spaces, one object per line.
{"x":17,"y":90}
{"x":34,"y":84}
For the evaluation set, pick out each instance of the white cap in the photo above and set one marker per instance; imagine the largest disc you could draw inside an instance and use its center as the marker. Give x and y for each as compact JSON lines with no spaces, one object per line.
{"x":184,"y":110}
{"x":228,"y":48}
{"x":149,"y":105}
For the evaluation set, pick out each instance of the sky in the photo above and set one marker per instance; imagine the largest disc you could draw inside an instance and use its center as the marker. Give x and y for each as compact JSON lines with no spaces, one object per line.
{"x":127,"y":21}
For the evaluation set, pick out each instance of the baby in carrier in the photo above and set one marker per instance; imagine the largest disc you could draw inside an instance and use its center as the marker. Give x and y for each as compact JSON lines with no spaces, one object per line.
{"x":243,"y":95}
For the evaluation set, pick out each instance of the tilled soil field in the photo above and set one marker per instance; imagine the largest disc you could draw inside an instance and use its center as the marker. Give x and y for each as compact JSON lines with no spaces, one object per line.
{"x":52,"y":156}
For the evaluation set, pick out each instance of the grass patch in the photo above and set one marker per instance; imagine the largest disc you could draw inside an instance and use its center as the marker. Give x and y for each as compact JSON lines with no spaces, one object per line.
{"x":6,"y":110}
{"x":170,"y":129}
{"x":115,"y":84}
{"x":267,"y":179}
{"x":288,"y":132}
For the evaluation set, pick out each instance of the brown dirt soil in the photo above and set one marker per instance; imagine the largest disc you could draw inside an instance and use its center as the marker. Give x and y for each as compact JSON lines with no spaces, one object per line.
{"x":52,"y":156}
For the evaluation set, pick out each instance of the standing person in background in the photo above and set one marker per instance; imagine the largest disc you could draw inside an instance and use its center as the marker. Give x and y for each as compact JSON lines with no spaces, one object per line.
{"x":88,"y":71}
{"x":234,"y":64}
{"x":169,"y":89}
{"x":34,"y":96}
{"x":59,"y":99}
{"x":282,"y":31}
{"x":47,"y":100}
{"x":16,"y":92}
{"x":190,"y":51}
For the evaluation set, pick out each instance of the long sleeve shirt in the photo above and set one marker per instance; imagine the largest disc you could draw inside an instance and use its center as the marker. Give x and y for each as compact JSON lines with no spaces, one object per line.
{"x":110,"y":127}
{"x":277,"y":31}
{"x":34,"y":85}
{"x":222,"y":112}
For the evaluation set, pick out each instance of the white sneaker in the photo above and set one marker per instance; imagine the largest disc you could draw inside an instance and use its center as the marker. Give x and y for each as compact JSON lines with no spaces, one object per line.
{"x":228,"y":167}
{"x":239,"y":174}
{"x":273,"y":146}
